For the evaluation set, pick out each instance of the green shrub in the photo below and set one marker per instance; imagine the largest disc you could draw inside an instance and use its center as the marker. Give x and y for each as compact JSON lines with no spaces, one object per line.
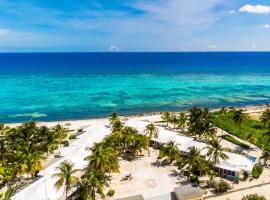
{"x":72,"y":137}
{"x":222,"y":186}
{"x":253,"y":197}
{"x":111,"y":192}
{"x":235,"y":141}
{"x":257,"y":171}
{"x":65,"y":143}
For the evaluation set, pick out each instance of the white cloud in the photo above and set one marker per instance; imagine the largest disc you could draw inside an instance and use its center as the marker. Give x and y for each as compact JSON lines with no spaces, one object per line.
{"x":212,"y":46}
{"x":266,"y":26}
{"x":232,"y":12}
{"x":115,"y":48}
{"x":257,"y":9}
{"x":253,"y":46}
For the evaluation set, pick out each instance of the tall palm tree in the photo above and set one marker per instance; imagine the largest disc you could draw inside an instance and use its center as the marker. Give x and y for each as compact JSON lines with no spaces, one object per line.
{"x":117,"y":127}
{"x":30,"y":161}
{"x":265,"y":156}
{"x":170,"y":152}
{"x":174,"y":120}
{"x":182,"y":120}
{"x":61,"y":134}
{"x":238,"y":117}
{"x":215,"y":152}
{"x":103,"y":159}
{"x":223,"y":110}
{"x":152,"y":132}
{"x":193,"y":161}
{"x":265,"y":118}
{"x":93,"y":183}
{"x":196,"y":121}
{"x":166,"y":117}
{"x":27,"y":133}
{"x":113,"y":118}
{"x":49,"y":142}
{"x":66,"y":176}
{"x":209,"y":131}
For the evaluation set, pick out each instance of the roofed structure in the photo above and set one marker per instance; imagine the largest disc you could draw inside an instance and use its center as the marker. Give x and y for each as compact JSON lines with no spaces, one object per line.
{"x":136,"y":197}
{"x":187,"y":192}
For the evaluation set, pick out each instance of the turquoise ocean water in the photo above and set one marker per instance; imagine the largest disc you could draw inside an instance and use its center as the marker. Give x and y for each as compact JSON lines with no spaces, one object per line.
{"x":65,"y":86}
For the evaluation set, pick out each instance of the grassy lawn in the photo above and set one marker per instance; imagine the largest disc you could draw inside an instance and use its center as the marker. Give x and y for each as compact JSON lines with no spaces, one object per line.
{"x":249,"y":126}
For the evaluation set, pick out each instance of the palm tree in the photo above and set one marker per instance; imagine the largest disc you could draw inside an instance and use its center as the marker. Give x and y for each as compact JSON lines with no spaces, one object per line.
{"x":170,"y":152}
{"x":215,"y":152}
{"x":174,"y":120}
{"x":265,"y":118}
{"x":113,"y":118}
{"x":66,"y":176}
{"x":182,"y":119}
{"x":193,"y":161}
{"x":50,"y":141}
{"x":196,"y":121}
{"x":103,"y":158}
{"x":209,"y":131}
{"x":30,"y":161}
{"x":238,"y":117}
{"x":93,"y":183}
{"x":152,"y":132}
{"x":118,"y":128}
{"x":166,"y":117}
{"x":61,"y":134}
{"x":265,"y":156}
{"x":223,"y":110}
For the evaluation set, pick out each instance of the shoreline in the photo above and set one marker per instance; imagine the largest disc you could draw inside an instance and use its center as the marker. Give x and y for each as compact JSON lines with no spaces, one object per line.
{"x":252,"y":110}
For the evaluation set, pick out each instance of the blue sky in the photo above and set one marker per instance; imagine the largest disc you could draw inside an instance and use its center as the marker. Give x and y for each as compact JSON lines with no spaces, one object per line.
{"x":134,"y":25}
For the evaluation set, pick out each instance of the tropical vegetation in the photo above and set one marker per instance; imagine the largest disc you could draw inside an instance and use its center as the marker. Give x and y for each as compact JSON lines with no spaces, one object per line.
{"x":23,"y":148}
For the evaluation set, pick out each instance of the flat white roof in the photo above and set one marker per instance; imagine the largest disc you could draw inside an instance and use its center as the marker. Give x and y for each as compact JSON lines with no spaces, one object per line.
{"x":235,"y":162}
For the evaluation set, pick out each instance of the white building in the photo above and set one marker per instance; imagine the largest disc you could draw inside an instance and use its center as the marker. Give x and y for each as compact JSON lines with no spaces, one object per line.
{"x":234,"y":166}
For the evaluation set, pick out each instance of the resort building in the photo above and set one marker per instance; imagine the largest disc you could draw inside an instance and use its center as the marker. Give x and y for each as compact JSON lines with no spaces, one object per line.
{"x":184,"y":192}
{"x":234,"y":167}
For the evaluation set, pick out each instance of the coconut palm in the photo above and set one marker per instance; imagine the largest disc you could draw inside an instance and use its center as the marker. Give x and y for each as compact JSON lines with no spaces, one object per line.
{"x":223,"y":110}
{"x":152,"y":132}
{"x":30,"y":161}
{"x":117,"y":127}
{"x":93,"y":183}
{"x":265,"y":118}
{"x":65,"y":176}
{"x":166,"y":117}
{"x":182,"y":120}
{"x":27,"y":133}
{"x":113,"y":118}
{"x":61,"y":134}
{"x":103,"y":159}
{"x":238,"y":117}
{"x":50,"y":140}
{"x":196,"y":121}
{"x":215,"y":152}
{"x":193,"y":161}
{"x":174,"y":120}
{"x":170,"y":152}
{"x":265,"y":156}
{"x":209,"y":131}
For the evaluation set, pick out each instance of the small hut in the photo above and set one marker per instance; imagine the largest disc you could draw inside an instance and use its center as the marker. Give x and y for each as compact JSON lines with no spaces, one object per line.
{"x":136,"y":197}
{"x":188,"y":192}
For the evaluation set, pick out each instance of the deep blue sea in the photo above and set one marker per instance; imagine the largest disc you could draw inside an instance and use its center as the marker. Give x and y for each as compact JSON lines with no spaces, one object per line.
{"x":62,"y":86}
